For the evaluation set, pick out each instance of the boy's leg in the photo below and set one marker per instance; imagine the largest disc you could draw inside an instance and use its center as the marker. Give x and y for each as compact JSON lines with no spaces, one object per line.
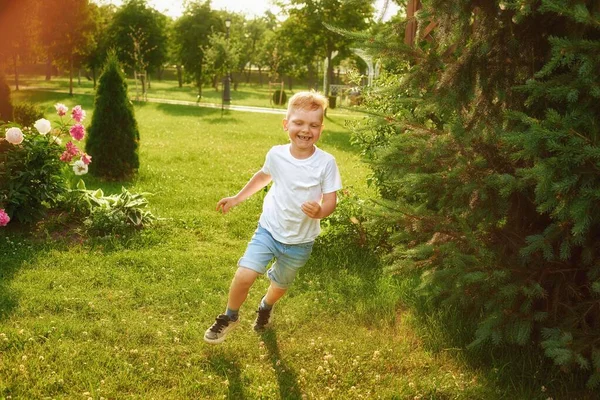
{"x":281,"y":274}
{"x":252,"y":264}
{"x":274,"y":293}
{"x":238,"y":291}
{"x":240,"y":286}
{"x":263,"y":317}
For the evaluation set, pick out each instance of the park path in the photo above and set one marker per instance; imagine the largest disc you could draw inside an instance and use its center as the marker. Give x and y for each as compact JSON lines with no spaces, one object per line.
{"x":179,"y":102}
{"x":233,"y":107}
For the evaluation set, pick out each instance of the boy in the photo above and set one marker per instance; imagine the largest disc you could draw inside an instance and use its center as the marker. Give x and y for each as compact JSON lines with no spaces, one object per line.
{"x":305,"y":180}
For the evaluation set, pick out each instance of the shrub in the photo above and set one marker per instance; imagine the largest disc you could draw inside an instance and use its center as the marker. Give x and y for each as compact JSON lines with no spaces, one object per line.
{"x":31,"y":177}
{"x":25,"y":114}
{"x":35,"y":167}
{"x":103,"y":215}
{"x":279,"y":97}
{"x":6,"y":107}
{"x":113,"y":135}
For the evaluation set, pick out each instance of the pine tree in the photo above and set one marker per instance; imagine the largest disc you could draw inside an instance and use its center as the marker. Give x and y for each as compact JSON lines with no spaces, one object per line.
{"x":6,"y":108}
{"x":487,"y":159}
{"x":113,"y":138}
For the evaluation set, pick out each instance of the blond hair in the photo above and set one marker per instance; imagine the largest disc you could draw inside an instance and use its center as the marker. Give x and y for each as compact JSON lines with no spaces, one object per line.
{"x":307,"y":101}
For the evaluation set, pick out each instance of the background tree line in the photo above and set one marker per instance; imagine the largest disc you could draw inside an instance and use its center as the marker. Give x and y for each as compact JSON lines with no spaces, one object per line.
{"x":76,"y":34}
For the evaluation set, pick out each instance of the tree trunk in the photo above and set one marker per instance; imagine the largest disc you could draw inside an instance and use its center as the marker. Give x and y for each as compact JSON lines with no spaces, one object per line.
{"x":135,"y":79}
{"x":199,"y":85}
{"x":79,"y":77}
{"x":71,"y":75}
{"x":147,"y":75}
{"x":311,"y":75}
{"x":326,"y":88}
{"x":49,"y":67}
{"x":329,"y":72}
{"x":179,"y":76}
{"x":290,"y":82}
{"x":260,"y":76}
{"x":16,"y":67}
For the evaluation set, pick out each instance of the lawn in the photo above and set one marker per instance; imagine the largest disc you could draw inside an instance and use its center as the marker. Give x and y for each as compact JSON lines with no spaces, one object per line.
{"x":124,"y":317}
{"x":250,"y":94}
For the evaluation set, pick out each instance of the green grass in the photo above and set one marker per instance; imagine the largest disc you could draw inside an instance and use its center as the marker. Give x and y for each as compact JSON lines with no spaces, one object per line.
{"x":246,"y":94}
{"x":124,"y":317}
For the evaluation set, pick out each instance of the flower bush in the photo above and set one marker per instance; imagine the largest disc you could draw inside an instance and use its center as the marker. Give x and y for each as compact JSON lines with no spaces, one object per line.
{"x":35,"y":169}
{"x":4,"y":218}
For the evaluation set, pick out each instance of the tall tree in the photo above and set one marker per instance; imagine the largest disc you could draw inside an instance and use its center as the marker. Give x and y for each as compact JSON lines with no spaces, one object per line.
{"x":66,"y":32}
{"x":221,"y":56}
{"x":254,"y":33}
{"x":102,"y":16}
{"x":312,"y":17}
{"x":19,"y":27}
{"x":277,"y":53}
{"x":191,"y":37}
{"x":138,"y":33}
{"x":486,"y":160}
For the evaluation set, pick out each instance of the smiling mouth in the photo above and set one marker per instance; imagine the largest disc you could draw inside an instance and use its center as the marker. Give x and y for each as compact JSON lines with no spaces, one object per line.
{"x":305,"y":138}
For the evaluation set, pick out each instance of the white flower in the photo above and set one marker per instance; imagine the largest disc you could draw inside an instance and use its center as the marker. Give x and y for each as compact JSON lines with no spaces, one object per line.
{"x":43,"y":126}
{"x":57,"y":140}
{"x":80,"y":168}
{"x":14,"y":135}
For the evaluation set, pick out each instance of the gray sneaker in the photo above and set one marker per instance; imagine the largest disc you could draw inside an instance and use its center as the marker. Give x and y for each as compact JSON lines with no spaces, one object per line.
{"x":217,"y":332}
{"x":263,"y":319}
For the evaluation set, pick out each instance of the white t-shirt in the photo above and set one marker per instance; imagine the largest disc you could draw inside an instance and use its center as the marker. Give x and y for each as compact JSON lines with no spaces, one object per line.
{"x":295,"y":182}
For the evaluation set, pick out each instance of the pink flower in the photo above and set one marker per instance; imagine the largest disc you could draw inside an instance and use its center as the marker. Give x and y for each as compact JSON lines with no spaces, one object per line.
{"x":77,"y":131}
{"x":86,"y":158}
{"x":4,"y":218}
{"x":61,"y":109}
{"x":14,"y":135}
{"x":70,"y":152}
{"x":78,"y":114}
{"x":66,"y":156}
{"x":71,"y":148}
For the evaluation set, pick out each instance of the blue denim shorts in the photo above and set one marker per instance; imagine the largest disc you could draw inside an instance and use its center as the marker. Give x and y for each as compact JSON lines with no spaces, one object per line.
{"x":261,"y":250}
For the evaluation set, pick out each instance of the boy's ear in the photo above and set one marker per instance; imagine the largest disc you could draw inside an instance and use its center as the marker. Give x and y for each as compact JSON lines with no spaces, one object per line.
{"x":285,"y":124}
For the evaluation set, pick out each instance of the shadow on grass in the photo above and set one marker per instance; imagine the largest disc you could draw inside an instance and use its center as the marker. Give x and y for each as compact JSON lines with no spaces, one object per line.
{"x":47,"y":99}
{"x":517,"y":369}
{"x":353,"y":273}
{"x":16,"y":251}
{"x":229,"y":368}
{"x":287,"y":378}
{"x":209,"y":115}
{"x":350,"y":279}
{"x":344,"y":269}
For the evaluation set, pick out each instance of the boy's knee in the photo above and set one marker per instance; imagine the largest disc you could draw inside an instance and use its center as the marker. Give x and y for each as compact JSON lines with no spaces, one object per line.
{"x":245,"y":276}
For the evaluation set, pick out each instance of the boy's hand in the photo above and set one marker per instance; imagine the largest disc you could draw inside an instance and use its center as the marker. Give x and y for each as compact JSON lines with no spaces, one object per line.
{"x":226,"y":204}
{"x":312,"y":209}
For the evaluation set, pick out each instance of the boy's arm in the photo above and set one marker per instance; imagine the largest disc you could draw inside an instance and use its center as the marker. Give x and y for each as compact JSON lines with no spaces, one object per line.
{"x":319,"y":211}
{"x":257,"y":182}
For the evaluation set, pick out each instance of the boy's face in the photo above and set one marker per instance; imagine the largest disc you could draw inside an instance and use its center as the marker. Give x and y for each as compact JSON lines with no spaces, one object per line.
{"x":304,"y":128}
